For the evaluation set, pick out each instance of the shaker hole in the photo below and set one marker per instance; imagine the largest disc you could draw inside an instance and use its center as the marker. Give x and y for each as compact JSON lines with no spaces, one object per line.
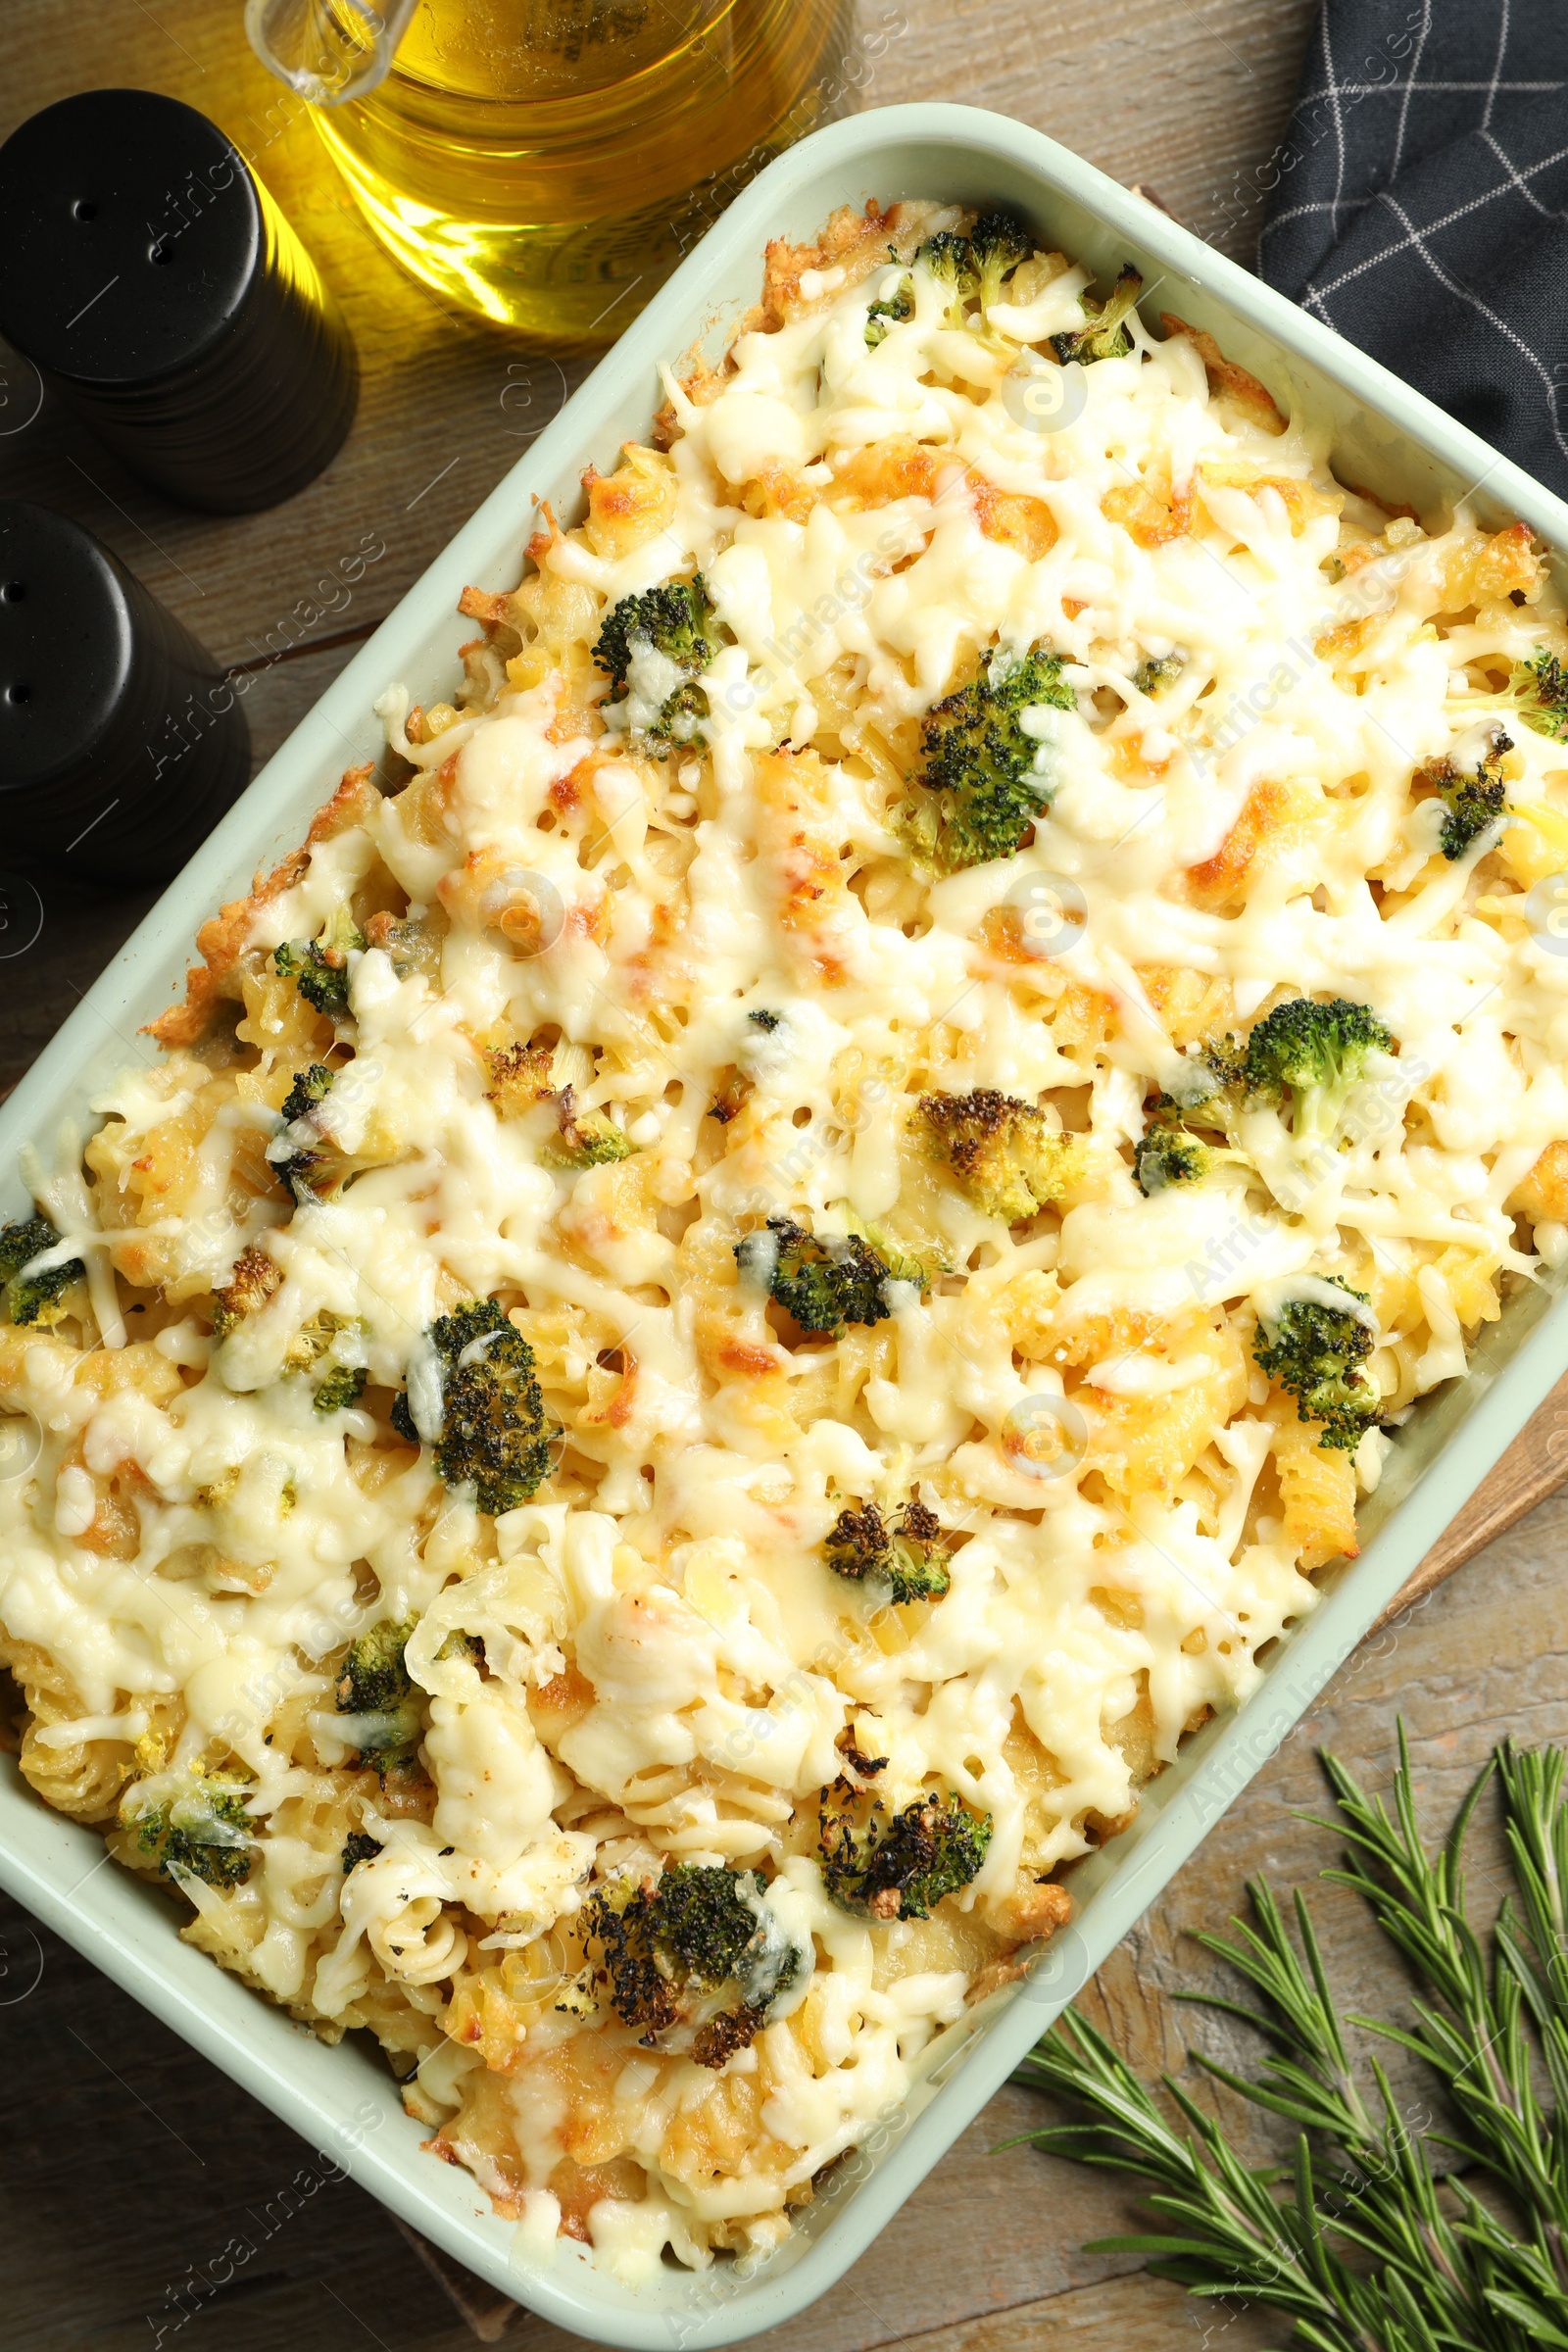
{"x":21,"y":691}
{"x":83,"y":208}
{"x":161,"y":251}
{"x":14,"y":591}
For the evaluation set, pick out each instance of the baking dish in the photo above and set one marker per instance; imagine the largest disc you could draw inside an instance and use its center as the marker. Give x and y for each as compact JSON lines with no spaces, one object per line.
{"x":343,"y":2100}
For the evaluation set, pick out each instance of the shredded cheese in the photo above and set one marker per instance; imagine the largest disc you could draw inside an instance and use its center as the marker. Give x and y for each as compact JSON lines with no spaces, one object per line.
{"x":613,"y":998}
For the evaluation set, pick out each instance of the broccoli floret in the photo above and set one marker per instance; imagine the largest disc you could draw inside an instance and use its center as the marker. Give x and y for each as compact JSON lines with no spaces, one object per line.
{"x":310,"y":1170}
{"x":997,"y":246}
{"x":1539,"y":688}
{"x":320,"y":976}
{"x":982,"y":785}
{"x":1314,"y":1054}
{"x":374,"y":1686}
{"x":343,"y":1386}
{"x":319,"y":968}
{"x":1002,"y":1153}
{"x":34,"y":1298}
{"x":977,"y":264}
{"x":587,"y":1138}
{"x":1105,"y":336}
{"x":910,"y":1555}
{"x":325,"y":1341}
{"x":1473,"y":808}
{"x":359,"y":1846}
{"x":823,"y":1285}
{"x":1317,"y":1354}
{"x":310,"y":1086}
{"x":658,"y":1946}
{"x":1471,"y":802}
{"x":894,"y":312}
{"x":373,"y":1679}
{"x":304,"y":1155}
{"x":203,"y":1828}
{"x":1153,"y":675}
{"x":896,"y":1866}
{"x":495,"y":1433}
{"x":951,"y":264}
{"x":1169,"y":1152}
{"x":672,"y":620}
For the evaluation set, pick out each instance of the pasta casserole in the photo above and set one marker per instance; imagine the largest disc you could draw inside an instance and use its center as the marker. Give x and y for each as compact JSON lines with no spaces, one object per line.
{"x":780,"y":1252}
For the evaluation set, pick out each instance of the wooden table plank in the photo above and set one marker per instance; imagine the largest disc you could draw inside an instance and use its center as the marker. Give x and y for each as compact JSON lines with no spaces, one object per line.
{"x":130,"y":2164}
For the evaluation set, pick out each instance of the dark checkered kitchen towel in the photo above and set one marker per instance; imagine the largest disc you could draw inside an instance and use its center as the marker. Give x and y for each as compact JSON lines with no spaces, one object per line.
{"x":1422,"y":207}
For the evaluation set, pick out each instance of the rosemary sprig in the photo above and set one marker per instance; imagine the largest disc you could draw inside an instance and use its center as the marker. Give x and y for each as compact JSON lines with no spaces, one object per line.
{"x":1356,"y":2241}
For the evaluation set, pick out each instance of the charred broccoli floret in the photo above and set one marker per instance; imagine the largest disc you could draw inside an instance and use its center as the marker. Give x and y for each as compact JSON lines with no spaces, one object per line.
{"x":310,"y":1086}
{"x":1313,"y":1055}
{"x":520,"y":1077}
{"x":656,"y":1948}
{"x":359,"y":1846}
{"x":983,"y":783}
{"x":721,"y":2037}
{"x":1105,"y":336}
{"x":34,"y":1298}
{"x":823,"y":1285}
{"x":1169,"y":1152}
{"x":319,"y":968}
{"x":587,"y":1139}
{"x":494,"y":1432}
{"x":672,"y":621}
{"x":1473,"y":800}
{"x":1319,"y":1354}
{"x":202,"y":1827}
{"x":1539,"y":690}
{"x":1002,"y":1153}
{"x":896,"y":1866}
{"x":256,"y":1276}
{"x":375,"y":1687}
{"x":909,"y":1554}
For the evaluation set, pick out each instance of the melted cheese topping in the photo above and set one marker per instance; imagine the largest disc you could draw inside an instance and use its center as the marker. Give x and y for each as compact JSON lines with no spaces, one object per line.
{"x":651,"y":1660}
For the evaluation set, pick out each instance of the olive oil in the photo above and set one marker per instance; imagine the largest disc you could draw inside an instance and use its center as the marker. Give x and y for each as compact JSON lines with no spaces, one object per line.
{"x":547,"y":161}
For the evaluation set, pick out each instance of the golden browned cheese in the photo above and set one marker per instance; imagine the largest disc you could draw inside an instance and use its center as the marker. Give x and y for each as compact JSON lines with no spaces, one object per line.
{"x":1543,"y":1191}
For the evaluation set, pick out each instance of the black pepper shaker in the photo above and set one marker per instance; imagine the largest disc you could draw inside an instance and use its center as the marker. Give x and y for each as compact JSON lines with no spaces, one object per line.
{"x":158,"y":289}
{"x":121,"y":741}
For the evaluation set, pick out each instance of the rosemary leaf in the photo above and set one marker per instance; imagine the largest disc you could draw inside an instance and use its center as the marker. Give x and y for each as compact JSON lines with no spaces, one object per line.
{"x":1358,"y":2242}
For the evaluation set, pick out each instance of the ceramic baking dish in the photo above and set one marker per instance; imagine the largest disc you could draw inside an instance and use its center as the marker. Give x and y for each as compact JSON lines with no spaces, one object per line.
{"x":343,"y":2100}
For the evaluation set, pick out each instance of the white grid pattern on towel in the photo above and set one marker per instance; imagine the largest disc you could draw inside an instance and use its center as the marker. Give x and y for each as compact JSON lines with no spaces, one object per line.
{"x":1458,"y":88}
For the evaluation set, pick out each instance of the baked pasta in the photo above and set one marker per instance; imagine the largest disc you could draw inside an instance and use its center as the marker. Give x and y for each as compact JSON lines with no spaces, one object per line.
{"x":777,"y":1255}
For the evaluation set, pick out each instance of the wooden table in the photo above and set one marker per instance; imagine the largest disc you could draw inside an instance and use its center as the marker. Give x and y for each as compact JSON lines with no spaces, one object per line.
{"x":128,"y":2164}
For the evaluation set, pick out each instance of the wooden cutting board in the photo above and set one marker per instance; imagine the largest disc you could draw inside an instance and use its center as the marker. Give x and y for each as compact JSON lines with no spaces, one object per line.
{"x":1534,"y":1465}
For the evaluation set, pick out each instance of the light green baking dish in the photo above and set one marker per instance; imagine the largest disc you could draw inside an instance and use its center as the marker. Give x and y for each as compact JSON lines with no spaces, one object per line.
{"x":342,"y":2100}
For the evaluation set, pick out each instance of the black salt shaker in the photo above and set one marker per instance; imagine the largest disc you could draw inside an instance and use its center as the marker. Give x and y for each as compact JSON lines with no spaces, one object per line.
{"x":159,"y":290}
{"x":121,"y":742}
